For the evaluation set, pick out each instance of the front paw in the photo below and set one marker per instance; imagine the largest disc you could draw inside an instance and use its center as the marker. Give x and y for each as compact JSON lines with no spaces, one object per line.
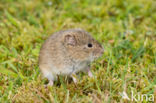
{"x":74,"y":78}
{"x":90,"y":73}
{"x":51,"y":83}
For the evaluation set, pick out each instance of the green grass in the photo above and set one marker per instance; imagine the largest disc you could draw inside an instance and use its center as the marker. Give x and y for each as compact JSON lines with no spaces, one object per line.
{"x":126,"y":29}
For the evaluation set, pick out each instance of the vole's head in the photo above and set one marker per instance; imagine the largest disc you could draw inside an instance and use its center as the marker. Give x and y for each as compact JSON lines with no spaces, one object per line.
{"x":81,"y":45}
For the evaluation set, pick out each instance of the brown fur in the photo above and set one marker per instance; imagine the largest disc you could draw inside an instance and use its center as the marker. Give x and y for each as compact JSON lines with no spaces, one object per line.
{"x":68,"y":48}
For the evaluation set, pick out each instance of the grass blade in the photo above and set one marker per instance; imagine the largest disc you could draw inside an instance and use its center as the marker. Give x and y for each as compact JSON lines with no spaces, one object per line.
{"x":8,"y":72}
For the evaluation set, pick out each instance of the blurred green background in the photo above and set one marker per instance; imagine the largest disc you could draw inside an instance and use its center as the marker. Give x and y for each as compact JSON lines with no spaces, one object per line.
{"x":126,"y":29}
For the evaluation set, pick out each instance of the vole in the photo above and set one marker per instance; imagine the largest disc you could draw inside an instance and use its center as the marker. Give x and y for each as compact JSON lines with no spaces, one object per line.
{"x":67,"y":53}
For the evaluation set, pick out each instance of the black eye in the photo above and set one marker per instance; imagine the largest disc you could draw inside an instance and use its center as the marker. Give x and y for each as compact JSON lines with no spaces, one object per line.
{"x":90,"y":45}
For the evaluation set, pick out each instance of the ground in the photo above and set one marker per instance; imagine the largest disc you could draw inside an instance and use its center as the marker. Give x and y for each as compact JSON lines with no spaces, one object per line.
{"x":126,"y":29}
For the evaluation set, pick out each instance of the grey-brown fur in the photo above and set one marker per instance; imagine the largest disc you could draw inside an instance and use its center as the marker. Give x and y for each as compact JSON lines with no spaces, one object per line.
{"x":67,"y":52}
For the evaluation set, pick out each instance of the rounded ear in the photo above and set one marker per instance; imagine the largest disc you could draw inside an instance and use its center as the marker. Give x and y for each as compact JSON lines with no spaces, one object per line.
{"x":70,"y":40}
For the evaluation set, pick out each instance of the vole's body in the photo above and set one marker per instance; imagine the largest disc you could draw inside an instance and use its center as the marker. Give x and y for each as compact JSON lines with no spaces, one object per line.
{"x":66,"y":53}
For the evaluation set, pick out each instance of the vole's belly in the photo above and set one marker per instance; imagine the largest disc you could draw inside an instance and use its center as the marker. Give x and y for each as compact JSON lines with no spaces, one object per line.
{"x":66,"y":70}
{"x":81,"y":67}
{"x":70,"y":69}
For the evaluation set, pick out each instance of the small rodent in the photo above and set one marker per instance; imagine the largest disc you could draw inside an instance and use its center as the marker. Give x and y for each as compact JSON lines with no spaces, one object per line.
{"x":68,"y":52}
